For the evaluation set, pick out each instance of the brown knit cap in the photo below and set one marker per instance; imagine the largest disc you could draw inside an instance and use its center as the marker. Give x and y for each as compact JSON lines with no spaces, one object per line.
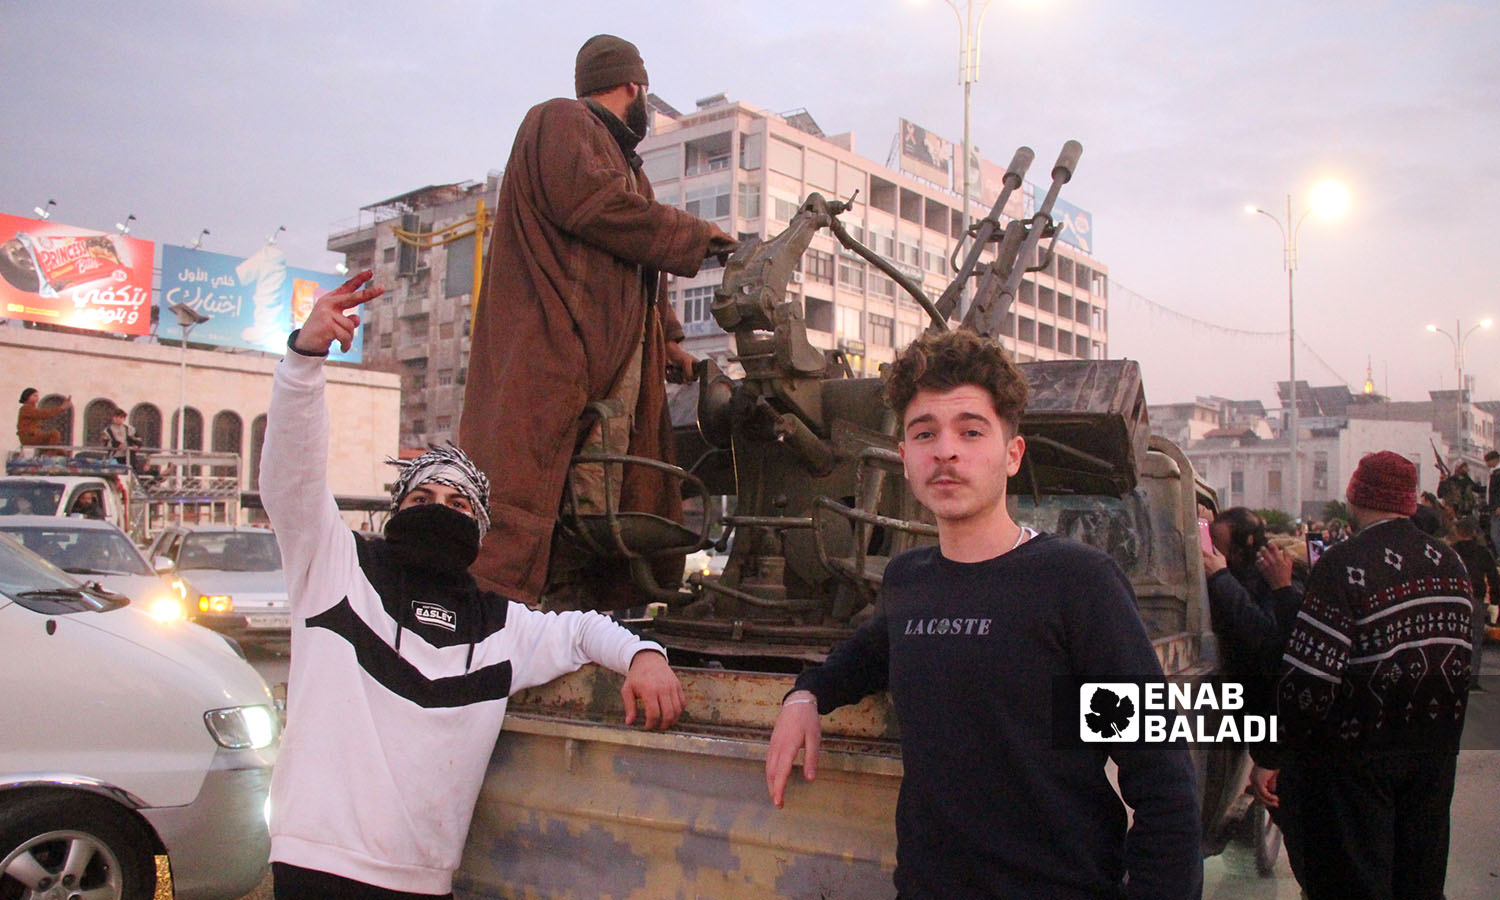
{"x":605,"y":61}
{"x":1386,"y":482}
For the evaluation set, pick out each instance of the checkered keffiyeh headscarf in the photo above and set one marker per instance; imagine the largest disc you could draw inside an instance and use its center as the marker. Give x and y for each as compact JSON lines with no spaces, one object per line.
{"x":450,"y":466}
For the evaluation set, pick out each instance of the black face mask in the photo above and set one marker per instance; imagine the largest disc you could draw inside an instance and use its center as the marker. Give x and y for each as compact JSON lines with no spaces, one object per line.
{"x":635,"y":117}
{"x":433,"y":536}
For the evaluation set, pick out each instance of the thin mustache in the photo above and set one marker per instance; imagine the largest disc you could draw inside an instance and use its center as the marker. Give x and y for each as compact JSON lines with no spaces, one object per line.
{"x":944,"y":473}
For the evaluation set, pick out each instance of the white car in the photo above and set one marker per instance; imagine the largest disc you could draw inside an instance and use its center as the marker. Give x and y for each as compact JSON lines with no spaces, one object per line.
{"x":124,"y":737}
{"x":95,"y":551}
{"x":229,"y":578}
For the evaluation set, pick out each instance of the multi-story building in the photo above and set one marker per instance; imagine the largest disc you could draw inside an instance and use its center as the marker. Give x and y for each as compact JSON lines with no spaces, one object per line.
{"x":1184,"y":423}
{"x":419,"y":329}
{"x":1246,"y":456}
{"x":749,"y":170}
{"x":1247,"y":470}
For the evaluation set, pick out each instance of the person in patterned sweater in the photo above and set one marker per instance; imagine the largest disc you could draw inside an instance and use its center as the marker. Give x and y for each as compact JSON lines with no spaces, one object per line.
{"x":1371,"y":698}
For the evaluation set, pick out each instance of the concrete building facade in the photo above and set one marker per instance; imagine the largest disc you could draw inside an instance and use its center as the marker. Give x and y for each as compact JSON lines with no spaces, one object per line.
{"x":1184,"y":423}
{"x":419,"y":329}
{"x":227,"y":395}
{"x":749,"y":170}
{"x":1246,"y":470}
{"x":1243,"y":452}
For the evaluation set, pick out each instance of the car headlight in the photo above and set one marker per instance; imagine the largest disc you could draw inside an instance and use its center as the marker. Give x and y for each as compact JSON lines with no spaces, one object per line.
{"x":165,"y":608}
{"x":215,"y":603}
{"x":242,"y":727}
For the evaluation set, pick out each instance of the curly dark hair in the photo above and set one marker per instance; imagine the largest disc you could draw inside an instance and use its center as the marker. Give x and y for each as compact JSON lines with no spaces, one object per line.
{"x":951,"y":359}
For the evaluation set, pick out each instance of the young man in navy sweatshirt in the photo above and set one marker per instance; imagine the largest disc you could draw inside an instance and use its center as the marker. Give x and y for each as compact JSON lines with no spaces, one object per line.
{"x":973,"y":636}
{"x":401,"y":664}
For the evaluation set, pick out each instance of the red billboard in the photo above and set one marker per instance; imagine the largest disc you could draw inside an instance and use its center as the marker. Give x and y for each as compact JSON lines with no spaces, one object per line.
{"x":63,"y":275}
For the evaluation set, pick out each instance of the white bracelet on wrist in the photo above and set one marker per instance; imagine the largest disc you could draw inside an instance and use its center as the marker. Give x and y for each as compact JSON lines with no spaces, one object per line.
{"x":797,"y":700}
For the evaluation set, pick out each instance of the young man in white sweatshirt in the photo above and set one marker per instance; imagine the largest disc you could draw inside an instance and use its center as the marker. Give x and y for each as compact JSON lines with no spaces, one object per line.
{"x":400,"y":664}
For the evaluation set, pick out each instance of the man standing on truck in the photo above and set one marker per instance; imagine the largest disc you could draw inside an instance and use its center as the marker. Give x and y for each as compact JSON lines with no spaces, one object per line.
{"x":1371,"y":698}
{"x":31,"y":420}
{"x":973,"y":637}
{"x":401,"y":663}
{"x":574,"y":311}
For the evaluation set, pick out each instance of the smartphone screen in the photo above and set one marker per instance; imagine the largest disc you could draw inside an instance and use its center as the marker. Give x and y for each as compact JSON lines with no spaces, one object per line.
{"x":1315,"y":547}
{"x":1205,"y":542}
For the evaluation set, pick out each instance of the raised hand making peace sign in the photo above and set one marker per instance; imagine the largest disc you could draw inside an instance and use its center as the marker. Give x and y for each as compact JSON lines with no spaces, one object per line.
{"x":331,"y":319}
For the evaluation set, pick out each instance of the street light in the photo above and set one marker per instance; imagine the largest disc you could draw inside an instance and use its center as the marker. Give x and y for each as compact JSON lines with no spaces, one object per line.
{"x":44,"y":212}
{"x":187,"y":318}
{"x":1458,"y":338}
{"x":968,"y":72}
{"x":1331,"y":199}
{"x":124,"y":227}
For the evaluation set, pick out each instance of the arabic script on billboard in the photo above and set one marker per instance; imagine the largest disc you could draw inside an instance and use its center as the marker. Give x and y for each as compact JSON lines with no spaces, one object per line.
{"x":252,"y":303}
{"x":70,"y":276}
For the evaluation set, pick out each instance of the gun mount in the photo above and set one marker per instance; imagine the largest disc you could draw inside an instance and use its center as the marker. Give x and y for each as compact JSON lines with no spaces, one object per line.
{"x":809,"y":452}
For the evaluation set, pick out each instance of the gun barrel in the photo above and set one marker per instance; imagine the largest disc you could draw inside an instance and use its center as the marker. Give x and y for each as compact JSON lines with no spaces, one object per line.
{"x":1067,"y":161}
{"x":1018,"y":166}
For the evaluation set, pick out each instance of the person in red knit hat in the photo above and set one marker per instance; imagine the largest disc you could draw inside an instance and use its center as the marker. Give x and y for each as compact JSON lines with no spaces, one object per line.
{"x":1371,"y":699}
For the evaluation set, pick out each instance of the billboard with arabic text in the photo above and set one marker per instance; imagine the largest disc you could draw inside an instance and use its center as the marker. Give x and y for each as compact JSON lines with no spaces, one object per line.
{"x":252,"y":302}
{"x":62,"y":275}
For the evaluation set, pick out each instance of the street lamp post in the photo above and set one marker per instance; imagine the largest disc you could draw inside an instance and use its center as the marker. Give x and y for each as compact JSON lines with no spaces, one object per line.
{"x":1331,"y":198}
{"x":968,"y":72}
{"x":1458,"y":338}
{"x":187,"y":318}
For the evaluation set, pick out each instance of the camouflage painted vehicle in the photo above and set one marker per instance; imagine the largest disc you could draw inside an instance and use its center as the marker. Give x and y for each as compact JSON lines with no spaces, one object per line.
{"x":576,"y":805}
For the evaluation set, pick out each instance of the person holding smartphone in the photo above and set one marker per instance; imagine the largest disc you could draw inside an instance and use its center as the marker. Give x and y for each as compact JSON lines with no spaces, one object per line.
{"x":1253,"y":595}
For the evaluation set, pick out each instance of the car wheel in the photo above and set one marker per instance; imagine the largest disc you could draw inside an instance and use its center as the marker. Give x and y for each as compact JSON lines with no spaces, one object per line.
{"x":84,"y":846}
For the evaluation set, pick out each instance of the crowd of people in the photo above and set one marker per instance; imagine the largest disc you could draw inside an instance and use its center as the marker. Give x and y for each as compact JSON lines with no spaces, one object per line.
{"x":1368,"y":656}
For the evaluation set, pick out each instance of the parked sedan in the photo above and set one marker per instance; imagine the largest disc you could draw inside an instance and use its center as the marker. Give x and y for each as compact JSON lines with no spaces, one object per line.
{"x":229,"y":578}
{"x":125,"y":737}
{"x":95,"y":551}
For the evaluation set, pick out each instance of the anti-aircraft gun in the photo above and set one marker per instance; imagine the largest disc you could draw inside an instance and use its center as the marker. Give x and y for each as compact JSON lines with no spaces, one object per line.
{"x":808,"y":453}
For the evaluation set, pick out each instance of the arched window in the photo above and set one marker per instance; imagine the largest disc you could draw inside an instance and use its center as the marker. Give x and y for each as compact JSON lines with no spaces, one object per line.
{"x":257,"y":440}
{"x":192,"y":438}
{"x":146,"y":420}
{"x":96,"y":417}
{"x":63,"y":422}
{"x":228,"y":435}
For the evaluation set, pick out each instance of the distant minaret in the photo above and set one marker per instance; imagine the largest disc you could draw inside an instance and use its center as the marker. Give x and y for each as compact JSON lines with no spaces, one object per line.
{"x":1369,"y":379}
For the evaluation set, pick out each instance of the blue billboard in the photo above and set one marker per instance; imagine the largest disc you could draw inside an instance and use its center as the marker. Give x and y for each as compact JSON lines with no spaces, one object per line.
{"x":252,"y":302}
{"x":1077,"y":225}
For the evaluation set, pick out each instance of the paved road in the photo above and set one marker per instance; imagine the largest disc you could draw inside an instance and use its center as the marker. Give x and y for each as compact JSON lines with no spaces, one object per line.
{"x":1473,"y":860}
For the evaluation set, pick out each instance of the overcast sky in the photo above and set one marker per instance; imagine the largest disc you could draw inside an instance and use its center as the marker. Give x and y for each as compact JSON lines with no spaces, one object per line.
{"x":243,"y":116}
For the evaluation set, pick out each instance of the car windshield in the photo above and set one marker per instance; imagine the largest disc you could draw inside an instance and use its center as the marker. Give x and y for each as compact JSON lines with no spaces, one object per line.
{"x":81,"y":551}
{"x":26,"y":498}
{"x":42,"y":587}
{"x":231,"y":551}
{"x":1120,"y":526}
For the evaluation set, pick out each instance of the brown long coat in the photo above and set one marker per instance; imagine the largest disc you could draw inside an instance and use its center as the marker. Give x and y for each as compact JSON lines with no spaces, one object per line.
{"x":576,"y":241}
